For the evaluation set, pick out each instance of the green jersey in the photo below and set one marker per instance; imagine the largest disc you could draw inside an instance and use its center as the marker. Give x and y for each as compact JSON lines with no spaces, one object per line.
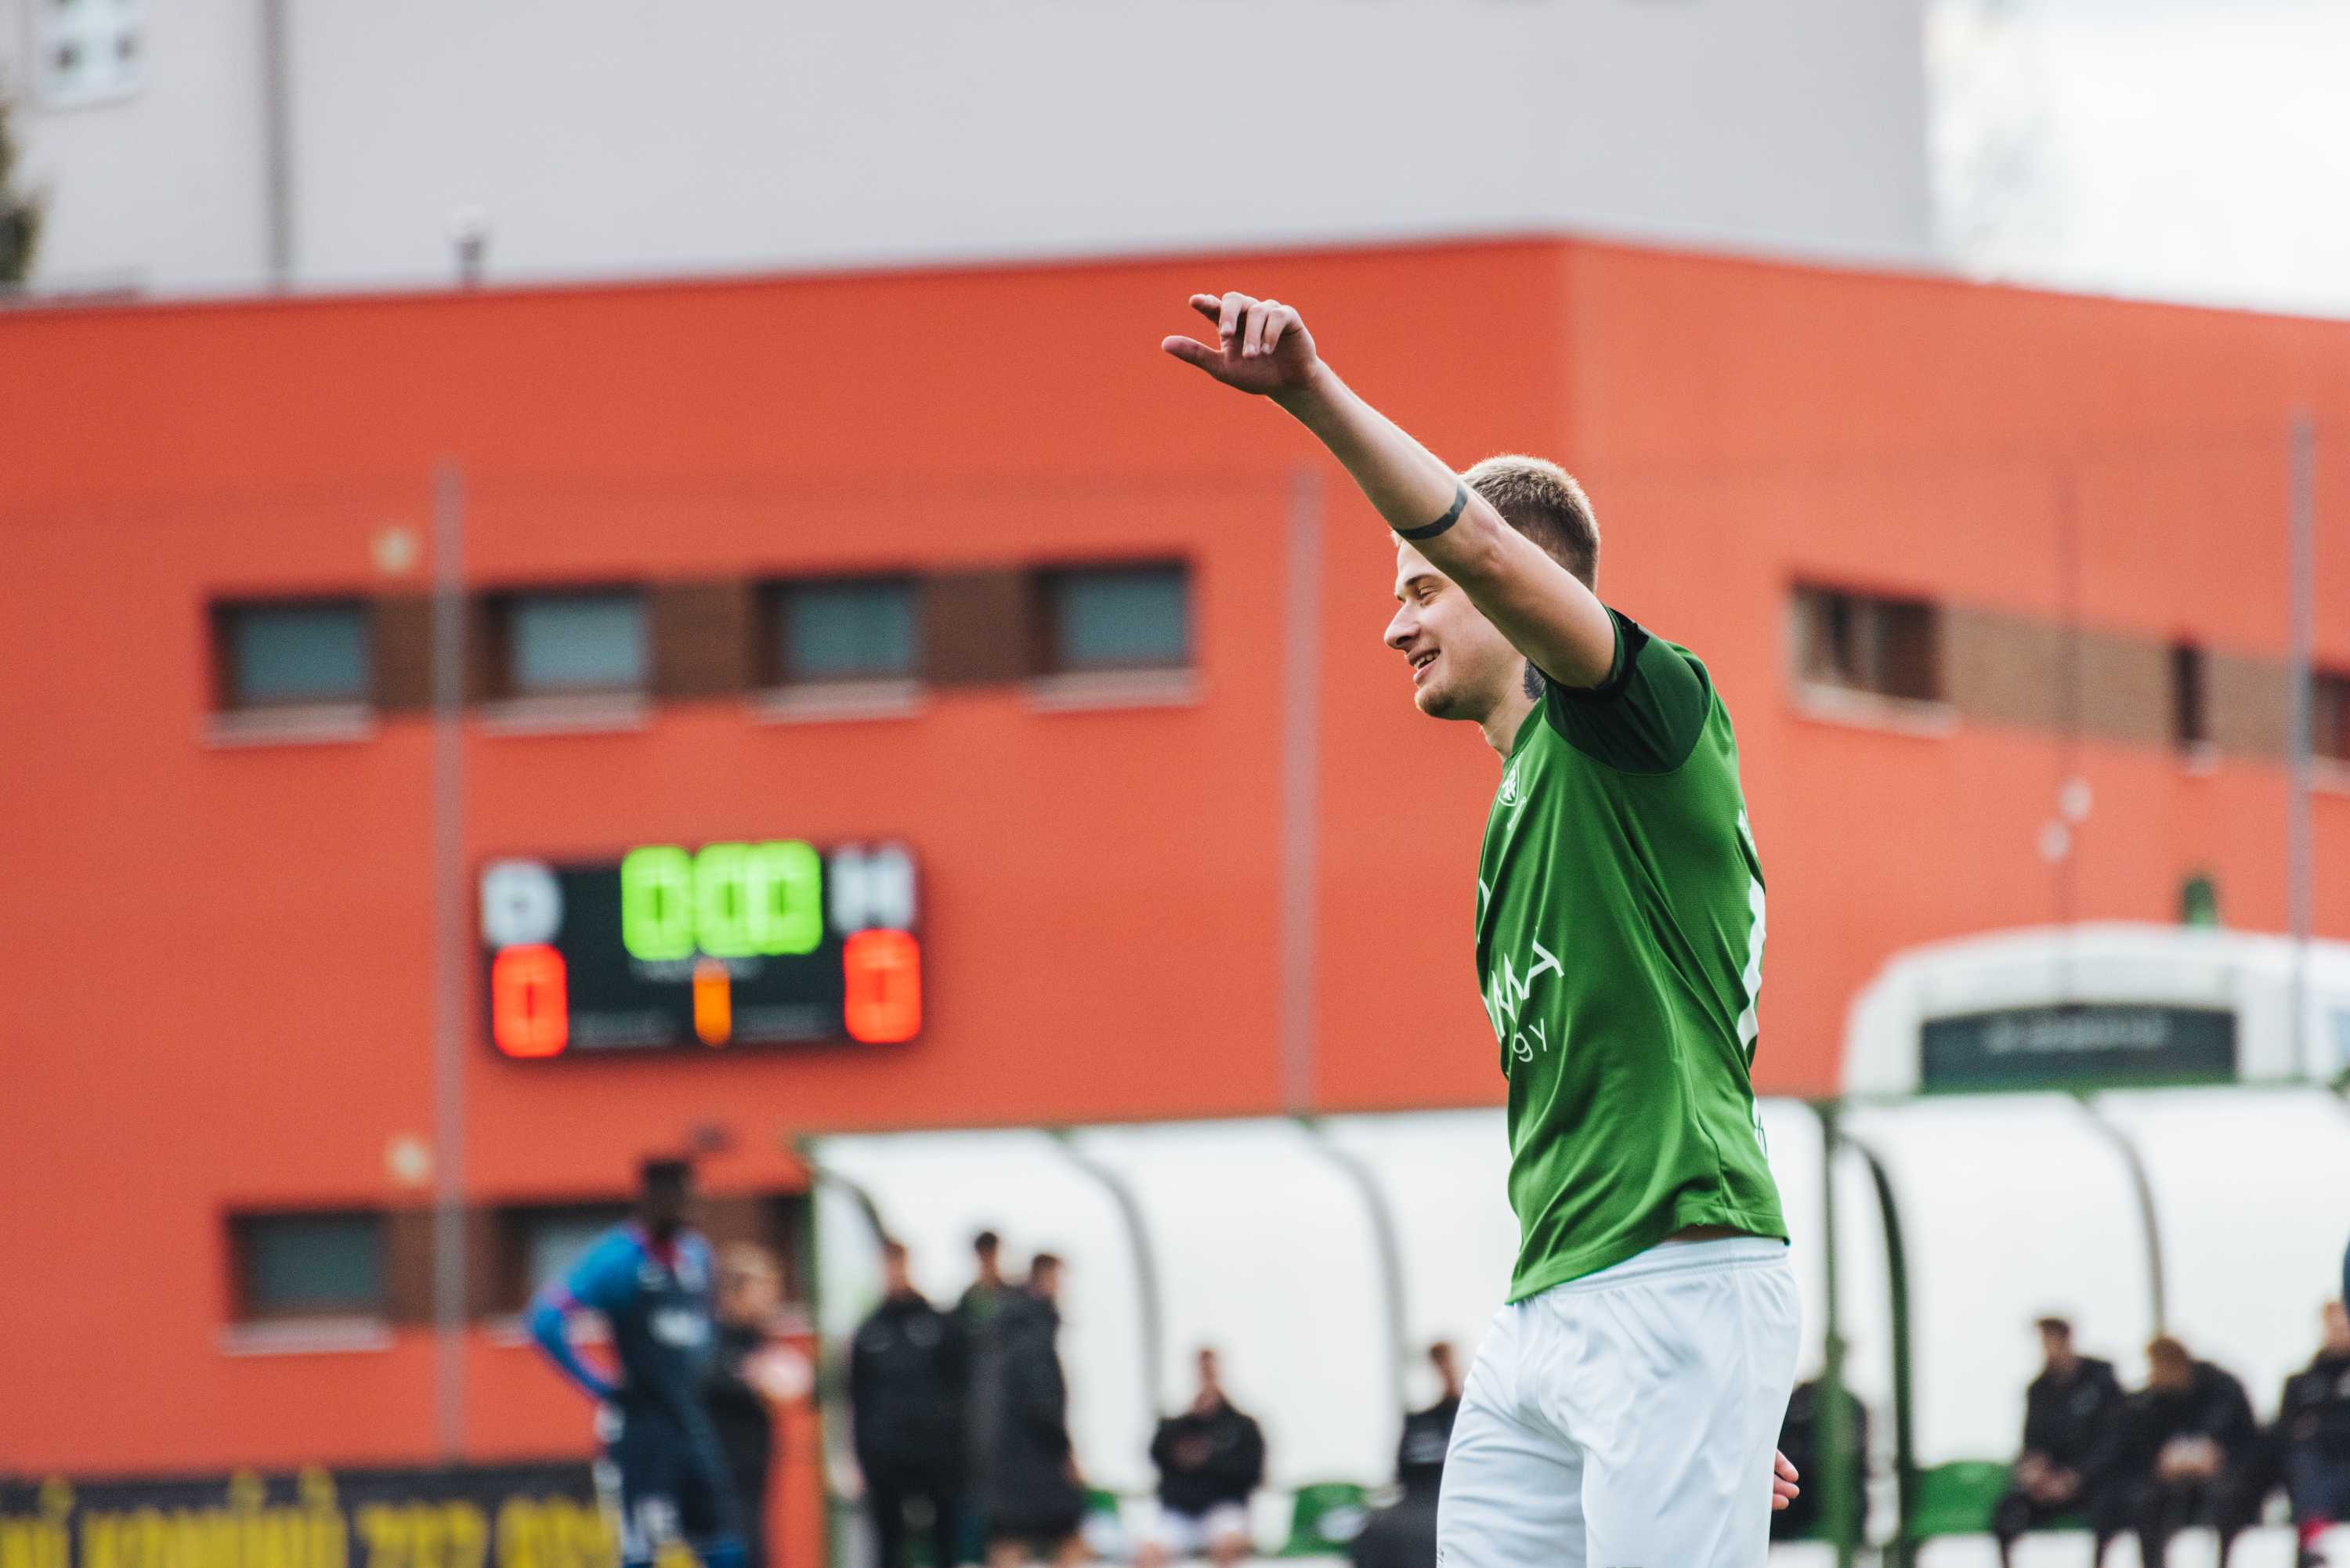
{"x":1619,"y":947}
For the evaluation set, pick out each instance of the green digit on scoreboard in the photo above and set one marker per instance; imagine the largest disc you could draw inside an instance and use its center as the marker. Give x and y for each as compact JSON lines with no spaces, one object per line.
{"x":722,"y":907}
{"x":657,"y":913}
{"x":730,"y":900}
{"x":785,"y":888}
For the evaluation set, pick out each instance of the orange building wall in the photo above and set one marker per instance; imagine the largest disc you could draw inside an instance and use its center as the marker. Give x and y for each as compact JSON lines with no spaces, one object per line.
{"x":219,"y":962}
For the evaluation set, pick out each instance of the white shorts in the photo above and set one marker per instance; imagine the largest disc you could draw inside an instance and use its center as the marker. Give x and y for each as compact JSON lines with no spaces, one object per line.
{"x":1626,"y":1420}
{"x":1191,"y":1534}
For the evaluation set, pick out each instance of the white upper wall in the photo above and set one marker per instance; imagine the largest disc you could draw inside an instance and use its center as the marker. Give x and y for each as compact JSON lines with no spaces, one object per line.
{"x":163,"y":188}
{"x":621,"y":137}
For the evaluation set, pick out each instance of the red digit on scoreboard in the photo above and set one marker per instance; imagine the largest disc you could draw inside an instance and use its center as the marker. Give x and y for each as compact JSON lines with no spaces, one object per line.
{"x":530,"y":1001}
{"x":884,"y":1000}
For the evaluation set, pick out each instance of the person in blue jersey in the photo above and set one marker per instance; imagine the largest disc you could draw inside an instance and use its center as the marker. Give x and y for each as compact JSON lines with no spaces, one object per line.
{"x":663,"y":1471}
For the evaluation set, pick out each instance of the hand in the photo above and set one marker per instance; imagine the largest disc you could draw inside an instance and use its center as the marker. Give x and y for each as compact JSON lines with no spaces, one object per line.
{"x":1783,"y":1489}
{"x":1261,"y":346}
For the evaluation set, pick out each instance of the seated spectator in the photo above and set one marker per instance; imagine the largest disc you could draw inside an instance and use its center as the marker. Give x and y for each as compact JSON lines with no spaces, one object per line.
{"x":2065,"y":1412}
{"x":2183,"y":1450}
{"x":1403,"y":1535}
{"x":2313,"y":1436}
{"x":1803,"y":1440}
{"x":1210,"y":1459}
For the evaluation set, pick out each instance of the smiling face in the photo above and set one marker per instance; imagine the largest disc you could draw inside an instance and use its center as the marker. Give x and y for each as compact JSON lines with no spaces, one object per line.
{"x":1461,"y":668}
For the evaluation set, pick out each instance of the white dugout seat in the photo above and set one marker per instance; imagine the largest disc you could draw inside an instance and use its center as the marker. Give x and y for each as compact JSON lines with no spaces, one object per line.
{"x":2252,"y":1190}
{"x":1266,"y":1248}
{"x":2012,"y":1207}
{"x":935,"y":1191}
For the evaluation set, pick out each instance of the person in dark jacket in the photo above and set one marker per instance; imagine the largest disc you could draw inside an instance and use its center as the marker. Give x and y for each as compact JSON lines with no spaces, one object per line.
{"x":906,"y":1375}
{"x":2065,"y":1413}
{"x":1403,"y":1535}
{"x":2312,"y":1435}
{"x":1210,"y":1458}
{"x":744,"y":1384}
{"x":2181,"y":1451}
{"x":1035,"y":1498}
{"x":1803,"y":1441}
{"x":980,"y":1311}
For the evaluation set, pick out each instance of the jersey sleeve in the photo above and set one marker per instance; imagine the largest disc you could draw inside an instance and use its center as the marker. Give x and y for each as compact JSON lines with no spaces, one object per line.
{"x":605,"y":1278}
{"x":1647,"y":716}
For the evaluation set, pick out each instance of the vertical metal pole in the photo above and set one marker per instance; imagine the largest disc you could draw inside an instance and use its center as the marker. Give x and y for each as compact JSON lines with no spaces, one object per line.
{"x":1904,"y":1449}
{"x":277,"y":146}
{"x":1149,"y":1285}
{"x":2069,"y":700}
{"x":1836,"y":1471}
{"x":2298,"y":870}
{"x":1387,"y":1241}
{"x":1300,"y":789}
{"x":449,"y":925}
{"x":2149,"y":1217}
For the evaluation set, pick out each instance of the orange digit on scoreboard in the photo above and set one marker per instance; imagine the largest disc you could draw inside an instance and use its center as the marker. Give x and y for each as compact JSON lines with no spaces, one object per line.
{"x":883,"y":1003}
{"x":530,"y":1002}
{"x":714,"y":1002}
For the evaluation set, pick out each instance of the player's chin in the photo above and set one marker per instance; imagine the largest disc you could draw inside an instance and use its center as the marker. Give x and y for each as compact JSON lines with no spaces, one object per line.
{"x":1436,"y":700}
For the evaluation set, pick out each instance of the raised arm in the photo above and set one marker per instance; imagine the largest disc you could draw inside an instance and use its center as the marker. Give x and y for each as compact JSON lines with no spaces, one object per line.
{"x":1261,"y":346}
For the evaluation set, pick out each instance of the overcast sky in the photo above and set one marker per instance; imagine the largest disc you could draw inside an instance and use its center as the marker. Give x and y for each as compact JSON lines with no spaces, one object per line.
{"x":2181,"y":149}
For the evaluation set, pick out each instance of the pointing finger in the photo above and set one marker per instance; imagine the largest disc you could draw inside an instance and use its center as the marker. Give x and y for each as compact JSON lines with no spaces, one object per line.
{"x":1208,"y":304}
{"x":1191,"y":351}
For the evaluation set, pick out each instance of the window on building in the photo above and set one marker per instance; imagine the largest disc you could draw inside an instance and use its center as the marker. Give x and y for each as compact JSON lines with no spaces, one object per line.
{"x":309,"y":1264}
{"x":843,"y":629}
{"x":1103,"y":619}
{"x":292,"y":653}
{"x":2190,"y":719}
{"x":543,"y":1242}
{"x":1865,"y":643}
{"x":565,"y":644}
{"x":2329,"y":714}
{"x":87,"y":51}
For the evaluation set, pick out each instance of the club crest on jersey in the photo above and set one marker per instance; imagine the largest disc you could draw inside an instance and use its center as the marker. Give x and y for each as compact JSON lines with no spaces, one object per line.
{"x":1508,"y":795}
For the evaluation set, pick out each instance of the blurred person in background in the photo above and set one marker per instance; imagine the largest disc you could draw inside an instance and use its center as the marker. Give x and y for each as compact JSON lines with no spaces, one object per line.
{"x":1403,"y":1535}
{"x":2182,"y":1451}
{"x":2067,"y":1411}
{"x":906,"y":1377}
{"x":748,"y":1380}
{"x":1210,"y":1458}
{"x":666,"y":1478}
{"x":980,"y":1312}
{"x":1035,"y":1500}
{"x":2313,"y":1436}
{"x":1803,"y":1440}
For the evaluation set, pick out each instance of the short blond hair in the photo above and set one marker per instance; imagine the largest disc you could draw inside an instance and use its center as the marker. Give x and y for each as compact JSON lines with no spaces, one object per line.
{"x":1542,"y":501}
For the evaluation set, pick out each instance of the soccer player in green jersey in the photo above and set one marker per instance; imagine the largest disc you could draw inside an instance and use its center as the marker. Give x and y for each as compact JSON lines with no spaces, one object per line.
{"x":1623,"y":1406}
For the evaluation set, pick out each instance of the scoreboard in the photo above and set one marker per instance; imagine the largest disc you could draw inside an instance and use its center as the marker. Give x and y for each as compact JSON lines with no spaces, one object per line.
{"x":671,"y":948}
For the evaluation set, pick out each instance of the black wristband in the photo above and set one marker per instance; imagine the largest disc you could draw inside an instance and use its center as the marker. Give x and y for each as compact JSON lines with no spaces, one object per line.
{"x":1460,"y":505}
